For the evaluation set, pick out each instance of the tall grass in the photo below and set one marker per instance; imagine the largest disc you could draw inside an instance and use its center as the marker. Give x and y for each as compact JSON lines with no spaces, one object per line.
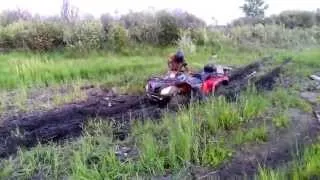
{"x":23,"y":69}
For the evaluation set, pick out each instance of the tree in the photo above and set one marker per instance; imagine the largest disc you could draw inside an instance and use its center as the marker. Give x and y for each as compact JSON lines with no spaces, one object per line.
{"x":68,"y":12}
{"x":254,"y":8}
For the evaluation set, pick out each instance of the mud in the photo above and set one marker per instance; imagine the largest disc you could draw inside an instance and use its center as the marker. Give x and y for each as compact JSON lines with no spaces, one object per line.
{"x":68,"y":121}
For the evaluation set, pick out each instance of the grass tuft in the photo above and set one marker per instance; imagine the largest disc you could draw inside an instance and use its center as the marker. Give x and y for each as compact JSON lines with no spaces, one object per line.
{"x":259,"y":134}
{"x":281,"y":120}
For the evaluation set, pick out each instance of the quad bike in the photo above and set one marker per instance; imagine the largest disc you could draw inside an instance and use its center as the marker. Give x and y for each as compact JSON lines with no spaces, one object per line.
{"x":179,"y":88}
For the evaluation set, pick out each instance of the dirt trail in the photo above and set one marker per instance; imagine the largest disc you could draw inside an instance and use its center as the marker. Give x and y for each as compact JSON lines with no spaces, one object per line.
{"x":67,"y":121}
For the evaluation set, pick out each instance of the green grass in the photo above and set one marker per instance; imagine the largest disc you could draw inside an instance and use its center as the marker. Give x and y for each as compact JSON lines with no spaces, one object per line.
{"x":26,"y":69}
{"x":258,"y":134}
{"x":288,"y":98}
{"x":281,"y":120}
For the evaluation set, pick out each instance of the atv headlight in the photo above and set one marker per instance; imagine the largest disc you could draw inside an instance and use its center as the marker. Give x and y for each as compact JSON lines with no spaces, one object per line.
{"x":167,"y":91}
{"x":147,"y":87}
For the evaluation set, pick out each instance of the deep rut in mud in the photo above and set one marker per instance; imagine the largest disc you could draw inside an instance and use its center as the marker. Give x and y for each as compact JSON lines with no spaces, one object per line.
{"x":68,"y":121}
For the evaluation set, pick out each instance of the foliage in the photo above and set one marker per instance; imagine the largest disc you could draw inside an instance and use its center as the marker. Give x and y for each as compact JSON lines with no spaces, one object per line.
{"x":293,"y":19}
{"x":84,"y":36}
{"x":169,"y":30}
{"x":40,"y":36}
{"x":274,"y":36}
{"x":290,"y":19}
{"x":11,"y":16}
{"x":254,"y":8}
{"x":117,"y":37}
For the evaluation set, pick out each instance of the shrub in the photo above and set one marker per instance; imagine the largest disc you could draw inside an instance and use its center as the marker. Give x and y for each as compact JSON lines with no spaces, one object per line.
{"x":38,"y":36}
{"x":106,"y":21}
{"x":45,"y":36}
{"x":14,"y":35}
{"x":169,"y":30}
{"x":185,"y":43}
{"x":292,"y":19}
{"x":186,"y":20}
{"x":145,"y":34}
{"x":117,"y":38}
{"x":199,"y":36}
{"x":247,"y":21}
{"x":84,"y":35}
{"x":274,"y":36}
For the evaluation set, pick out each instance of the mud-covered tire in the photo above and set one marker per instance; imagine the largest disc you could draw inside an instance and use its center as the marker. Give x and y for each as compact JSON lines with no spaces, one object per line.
{"x":178,"y":101}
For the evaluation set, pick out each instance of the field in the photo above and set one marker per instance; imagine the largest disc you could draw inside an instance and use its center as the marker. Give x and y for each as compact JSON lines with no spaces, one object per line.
{"x":73,"y":104}
{"x":214,"y":139}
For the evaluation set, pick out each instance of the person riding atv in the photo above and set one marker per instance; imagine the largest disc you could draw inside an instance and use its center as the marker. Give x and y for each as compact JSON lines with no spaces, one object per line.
{"x":177,"y":63}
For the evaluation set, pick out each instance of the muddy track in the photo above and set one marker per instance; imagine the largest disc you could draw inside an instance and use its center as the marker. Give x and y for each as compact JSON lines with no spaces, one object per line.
{"x":68,"y":121}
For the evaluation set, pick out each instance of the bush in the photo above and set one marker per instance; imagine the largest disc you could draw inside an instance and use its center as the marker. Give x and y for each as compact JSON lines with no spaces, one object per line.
{"x":293,"y":19}
{"x":45,"y":36}
{"x":106,"y":20}
{"x":145,"y":34}
{"x":199,"y":36}
{"x":186,"y":20}
{"x":169,"y":30}
{"x":274,"y":36}
{"x":247,"y":21}
{"x":186,"y":43}
{"x":14,"y":35}
{"x":38,"y":36}
{"x":84,"y":35}
{"x":117,"y":38}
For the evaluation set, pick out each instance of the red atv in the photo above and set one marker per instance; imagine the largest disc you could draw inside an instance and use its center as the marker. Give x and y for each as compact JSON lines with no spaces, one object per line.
{"x":179,"y":88}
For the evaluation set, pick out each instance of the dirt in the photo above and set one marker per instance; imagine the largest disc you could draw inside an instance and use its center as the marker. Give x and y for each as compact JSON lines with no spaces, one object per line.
{"x":21,"y":102}
{"x":67,"y":122}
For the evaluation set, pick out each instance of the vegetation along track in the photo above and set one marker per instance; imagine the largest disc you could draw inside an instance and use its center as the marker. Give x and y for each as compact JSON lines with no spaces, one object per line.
{"x":67,"y":121}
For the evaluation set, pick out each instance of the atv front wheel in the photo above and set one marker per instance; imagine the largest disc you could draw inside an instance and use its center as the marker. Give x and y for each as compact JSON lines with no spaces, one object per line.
{"x":178,"y":101}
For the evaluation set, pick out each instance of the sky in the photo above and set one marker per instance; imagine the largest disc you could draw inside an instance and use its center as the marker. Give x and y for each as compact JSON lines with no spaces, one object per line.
{"x":223,"y":11}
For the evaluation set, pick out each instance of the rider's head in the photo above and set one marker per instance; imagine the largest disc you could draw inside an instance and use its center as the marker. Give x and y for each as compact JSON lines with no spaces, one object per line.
{"x":209,"y":68}
{"x":179,"y":56}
